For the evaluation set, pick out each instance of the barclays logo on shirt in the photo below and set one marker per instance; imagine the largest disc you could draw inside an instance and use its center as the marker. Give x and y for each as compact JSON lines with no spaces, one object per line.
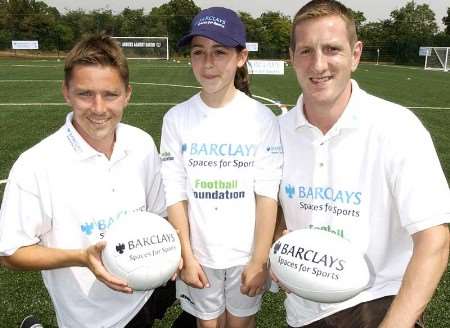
{"x":101,"y":225}
{"x":214,"y":149}
{"x":166,"y":156}
{"x":275,"y":149}
{"x":323,"y":193}
{"x":289,"y":190}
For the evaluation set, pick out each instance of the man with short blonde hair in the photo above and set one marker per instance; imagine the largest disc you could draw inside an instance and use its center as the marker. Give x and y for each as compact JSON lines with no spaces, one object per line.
{"x":316,"y":9}
{"x":380,"y":156}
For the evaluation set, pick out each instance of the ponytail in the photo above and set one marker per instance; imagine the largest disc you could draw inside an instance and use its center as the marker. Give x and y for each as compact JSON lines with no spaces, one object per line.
{"x":242,"y":78}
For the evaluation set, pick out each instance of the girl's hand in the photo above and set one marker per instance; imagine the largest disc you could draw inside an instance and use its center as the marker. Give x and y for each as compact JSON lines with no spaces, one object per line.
{"x":177,"y":273}
{"x":192,"y":274}
{"x":254,"y":278}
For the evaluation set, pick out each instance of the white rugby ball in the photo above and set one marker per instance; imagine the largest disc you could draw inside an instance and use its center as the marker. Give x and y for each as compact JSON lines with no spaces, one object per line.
{"x":143,"y":249}
{"x":319,"y":265}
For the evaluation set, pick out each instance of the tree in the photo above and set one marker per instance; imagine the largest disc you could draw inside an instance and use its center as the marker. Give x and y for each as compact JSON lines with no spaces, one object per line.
{"x":376,"y":37}
{"x":375,"y":33}
{"x":179,"y":14}
{"x":414,"y":19}
{"x":253,"y":27}
{"x":3,"y":12}
{"x":442,"y":39}
{"x":43,"y":22}
{"x":63,"y":36}
{"x":276,"y":34}
{"x":359,"y":18}
{"x":255,"y":31}
{"x":446,"y":21}
{"x":17,"y":19}
{"x":156,"y":20}
{"x":79,"y":22}
{"x":131,"y":22}
{"x":105,"y":21}
{"x":27,"y":20}
{"x":412,"y":26}
{"x":5,"y":34}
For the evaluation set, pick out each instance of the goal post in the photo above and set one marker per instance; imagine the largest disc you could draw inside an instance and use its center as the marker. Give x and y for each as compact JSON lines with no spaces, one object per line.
{"x":437,"y":58}
{"x":144,"y":47}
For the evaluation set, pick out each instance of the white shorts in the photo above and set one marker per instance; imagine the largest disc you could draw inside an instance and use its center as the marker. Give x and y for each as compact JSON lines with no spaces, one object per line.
{"x":223,"y":293}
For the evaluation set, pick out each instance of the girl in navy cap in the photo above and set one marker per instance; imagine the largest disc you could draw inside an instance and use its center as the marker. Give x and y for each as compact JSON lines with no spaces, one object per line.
{"x":221,"y":170}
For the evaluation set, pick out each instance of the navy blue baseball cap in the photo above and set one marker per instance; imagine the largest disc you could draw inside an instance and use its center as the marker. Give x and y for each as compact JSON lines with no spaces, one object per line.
{"x":219,"y":24}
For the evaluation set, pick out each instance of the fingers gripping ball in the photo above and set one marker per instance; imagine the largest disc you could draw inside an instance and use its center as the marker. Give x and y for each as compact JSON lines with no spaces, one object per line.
{"x":143,"y":249}
{"x":319,"y":265}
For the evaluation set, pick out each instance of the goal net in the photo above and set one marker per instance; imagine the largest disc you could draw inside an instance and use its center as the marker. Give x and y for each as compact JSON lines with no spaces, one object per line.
{"x":145,"y":47}
{"x":437,"y":58}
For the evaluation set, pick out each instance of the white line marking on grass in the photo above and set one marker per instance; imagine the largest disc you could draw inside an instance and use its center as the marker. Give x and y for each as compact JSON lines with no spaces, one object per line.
{"x":152,"y":104}
{"x":426,"y":107}
{"x":137,"y":83}
{"x":40,"y":66}
{"x":3,"y":181}
{"x":281,"y":106}
{"x":167,"y":85}
{"x":6,"y":81}
{"x":272,"y":103}
{"x":173,"y":104}
{"x":398,"y":66}
{"x":160,"y":67}
{"x":417,"y":68}
{"x":130,"y":104}
{"x":32,"y":104}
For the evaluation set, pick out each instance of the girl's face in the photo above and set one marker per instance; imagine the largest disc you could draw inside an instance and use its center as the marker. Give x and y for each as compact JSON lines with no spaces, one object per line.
{"x":214,"y":67}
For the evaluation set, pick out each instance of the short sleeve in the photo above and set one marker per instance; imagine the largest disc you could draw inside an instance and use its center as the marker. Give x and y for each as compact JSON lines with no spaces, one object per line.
{"x":419,"y":185}
{"x":172,"y":168}
{"x":22,"y":216}
{"x":269,"y":160}
{"x":154,"y":189}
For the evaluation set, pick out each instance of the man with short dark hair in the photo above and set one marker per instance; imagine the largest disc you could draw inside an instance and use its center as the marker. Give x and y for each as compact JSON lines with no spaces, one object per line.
{"x":64,"y":193}
{"x":364,"y":167}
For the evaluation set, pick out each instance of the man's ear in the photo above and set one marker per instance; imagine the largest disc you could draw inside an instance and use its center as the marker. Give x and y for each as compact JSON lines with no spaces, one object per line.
{"x":65,"y":92}
{"x":356,"y":55}
{"x":128,"y":91}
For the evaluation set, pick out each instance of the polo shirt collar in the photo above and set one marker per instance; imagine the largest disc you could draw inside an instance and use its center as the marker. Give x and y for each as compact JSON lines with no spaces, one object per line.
{"x":84,"y":150}
{"x":300,"y":119}
{"x":350,"y":118}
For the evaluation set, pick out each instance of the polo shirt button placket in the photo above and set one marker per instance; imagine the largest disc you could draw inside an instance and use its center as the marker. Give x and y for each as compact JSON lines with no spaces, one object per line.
{"x":321,"y":173}
{"x":321,"y":153}
{"x":111,"y":179}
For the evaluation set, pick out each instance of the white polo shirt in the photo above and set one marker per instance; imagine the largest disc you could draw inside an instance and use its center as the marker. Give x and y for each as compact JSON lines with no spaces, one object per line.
{"x":374,"y":179}
{"x":217,"y":159}
{"x":62,"y":193}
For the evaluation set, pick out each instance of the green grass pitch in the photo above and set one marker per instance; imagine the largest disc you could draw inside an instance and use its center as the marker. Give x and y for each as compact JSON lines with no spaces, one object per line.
{"x":31,"y":107}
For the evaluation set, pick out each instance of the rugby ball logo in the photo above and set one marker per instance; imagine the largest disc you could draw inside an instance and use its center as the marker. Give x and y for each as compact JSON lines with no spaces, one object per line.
{"x":143,"y":249}
{"x":319,"y":265}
